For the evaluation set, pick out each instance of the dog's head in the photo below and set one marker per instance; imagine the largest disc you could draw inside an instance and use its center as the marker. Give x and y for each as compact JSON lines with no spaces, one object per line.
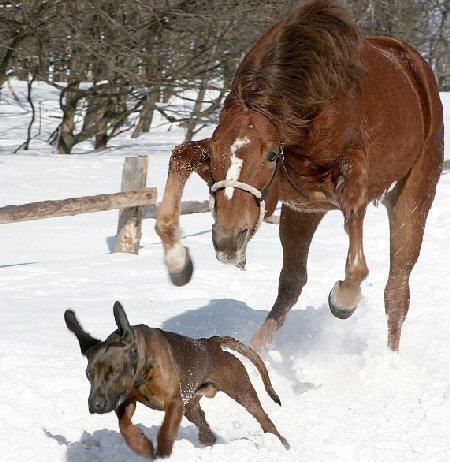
{"x":112,"y":364}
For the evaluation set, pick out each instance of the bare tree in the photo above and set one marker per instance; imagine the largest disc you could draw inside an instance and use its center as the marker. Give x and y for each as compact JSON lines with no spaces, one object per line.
{"x":116,"y":62}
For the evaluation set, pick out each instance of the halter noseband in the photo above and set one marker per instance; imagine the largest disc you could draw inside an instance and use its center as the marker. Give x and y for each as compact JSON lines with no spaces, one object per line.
{"x":260,"y":196}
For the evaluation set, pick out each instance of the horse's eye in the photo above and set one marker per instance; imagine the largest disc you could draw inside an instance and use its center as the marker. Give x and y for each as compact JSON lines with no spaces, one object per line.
{"x":272,"y":156}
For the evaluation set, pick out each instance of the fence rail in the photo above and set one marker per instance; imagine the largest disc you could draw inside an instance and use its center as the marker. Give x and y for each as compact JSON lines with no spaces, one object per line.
{"x":76,"y":206}
{"x":187,"y":208}
{"x":129,"y":201}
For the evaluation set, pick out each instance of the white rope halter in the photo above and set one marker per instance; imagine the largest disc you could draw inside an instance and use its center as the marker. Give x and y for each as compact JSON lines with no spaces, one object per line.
{"x":245,"y":187}
{"x":260,"y":196}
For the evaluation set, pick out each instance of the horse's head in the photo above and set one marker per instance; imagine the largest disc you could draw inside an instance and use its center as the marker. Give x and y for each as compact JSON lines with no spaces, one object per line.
{"x":245,"y":151}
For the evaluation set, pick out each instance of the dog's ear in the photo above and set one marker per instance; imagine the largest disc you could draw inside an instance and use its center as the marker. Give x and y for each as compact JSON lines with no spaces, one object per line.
{"x":84,"y":339}
{"x":122,"y":323}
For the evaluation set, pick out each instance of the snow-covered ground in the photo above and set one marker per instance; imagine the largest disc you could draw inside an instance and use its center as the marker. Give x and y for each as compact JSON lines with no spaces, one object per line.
{"x":345,"y":397}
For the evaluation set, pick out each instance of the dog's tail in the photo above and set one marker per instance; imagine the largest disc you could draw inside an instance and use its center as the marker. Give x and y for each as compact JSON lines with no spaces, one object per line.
{"x":236,"y":345}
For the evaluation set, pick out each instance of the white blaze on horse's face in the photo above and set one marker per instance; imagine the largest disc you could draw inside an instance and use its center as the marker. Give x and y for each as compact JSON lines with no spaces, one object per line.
{"x":239,"y":148}
{"x":236,"y":164}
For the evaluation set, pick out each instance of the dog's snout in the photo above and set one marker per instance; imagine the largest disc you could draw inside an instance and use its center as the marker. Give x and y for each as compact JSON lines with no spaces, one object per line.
{"x":98,"y":404}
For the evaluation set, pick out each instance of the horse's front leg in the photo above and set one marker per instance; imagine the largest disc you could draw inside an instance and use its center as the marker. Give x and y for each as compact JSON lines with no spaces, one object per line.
{"x":346,"y":295}
{"x":296,"y":232}
{"x":352,"y":186}
{"x":189,"y":157}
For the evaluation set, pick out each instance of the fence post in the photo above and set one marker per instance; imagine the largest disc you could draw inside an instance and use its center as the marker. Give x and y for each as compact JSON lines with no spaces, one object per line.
{"x":129,"y":230}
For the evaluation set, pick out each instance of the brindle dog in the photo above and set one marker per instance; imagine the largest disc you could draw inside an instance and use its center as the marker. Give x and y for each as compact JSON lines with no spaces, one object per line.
{"x":167,"y":372}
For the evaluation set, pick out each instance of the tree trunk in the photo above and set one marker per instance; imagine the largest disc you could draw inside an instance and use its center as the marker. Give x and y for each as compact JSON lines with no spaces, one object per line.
{"x":6,"y":59}
{"x":154,"y":93}
{"x":146,"y":115}
{"x":66,"y":137}
{"x":33,"y":112}
{"x":101,"y":141}
{"x":101,"y":137}
{"x":195,"y":114}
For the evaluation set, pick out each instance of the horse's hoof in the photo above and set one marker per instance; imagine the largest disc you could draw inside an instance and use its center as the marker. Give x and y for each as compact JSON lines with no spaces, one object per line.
{"x":336,"y":308}
{"x":340,"y":313}
{"x":181,"y":277}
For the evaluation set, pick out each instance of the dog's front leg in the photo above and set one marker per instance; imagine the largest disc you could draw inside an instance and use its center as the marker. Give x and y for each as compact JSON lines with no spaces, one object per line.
{"x":135,"y":439}
{"x":169,"y":429}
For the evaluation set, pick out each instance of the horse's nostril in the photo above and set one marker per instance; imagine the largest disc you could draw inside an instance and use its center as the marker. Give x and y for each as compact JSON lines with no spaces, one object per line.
{"x":243,"y":234}
{"x":214,"y":238}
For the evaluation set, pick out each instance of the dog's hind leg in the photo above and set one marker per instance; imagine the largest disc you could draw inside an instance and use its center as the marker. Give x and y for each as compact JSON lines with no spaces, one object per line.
{"x":135,"y":439}
{"x":231,"y":377}
{"x":169,"y":429}
{"x":194,"y":413}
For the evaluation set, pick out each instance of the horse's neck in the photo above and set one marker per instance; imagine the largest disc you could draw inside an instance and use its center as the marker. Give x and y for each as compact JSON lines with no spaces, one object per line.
{"x":336,"y":129}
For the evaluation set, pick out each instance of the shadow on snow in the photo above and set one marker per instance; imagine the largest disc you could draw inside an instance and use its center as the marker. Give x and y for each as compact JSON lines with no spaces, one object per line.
{"x":305,"y":332}
{"x":110,"y":446}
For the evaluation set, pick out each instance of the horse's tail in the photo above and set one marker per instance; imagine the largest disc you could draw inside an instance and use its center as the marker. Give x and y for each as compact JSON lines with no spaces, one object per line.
{"x":236,"y":345}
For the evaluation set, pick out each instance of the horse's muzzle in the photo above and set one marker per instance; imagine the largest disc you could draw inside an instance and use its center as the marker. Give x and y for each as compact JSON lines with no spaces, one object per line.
{"x":230,"y":244}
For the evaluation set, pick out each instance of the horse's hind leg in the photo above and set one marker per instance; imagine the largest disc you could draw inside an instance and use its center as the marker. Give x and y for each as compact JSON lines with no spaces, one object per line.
{"x":408,"y":206}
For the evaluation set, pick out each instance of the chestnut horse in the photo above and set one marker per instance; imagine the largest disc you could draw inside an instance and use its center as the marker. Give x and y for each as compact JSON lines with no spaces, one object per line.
{"x":318,"y":118}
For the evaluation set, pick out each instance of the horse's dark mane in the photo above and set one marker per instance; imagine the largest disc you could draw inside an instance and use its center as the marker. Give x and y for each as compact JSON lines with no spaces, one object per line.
{"x":312,"y":60}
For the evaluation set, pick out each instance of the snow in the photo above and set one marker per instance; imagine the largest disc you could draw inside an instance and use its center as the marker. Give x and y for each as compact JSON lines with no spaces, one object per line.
{"x":344,"y":396}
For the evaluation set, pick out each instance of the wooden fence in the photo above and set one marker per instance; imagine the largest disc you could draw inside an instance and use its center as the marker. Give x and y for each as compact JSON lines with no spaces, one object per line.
{"x":130,"y":200}
{"x":135,"y":202}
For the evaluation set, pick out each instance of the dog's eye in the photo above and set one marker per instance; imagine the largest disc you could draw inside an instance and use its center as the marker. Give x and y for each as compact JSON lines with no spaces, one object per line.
{"x":272,"y":156}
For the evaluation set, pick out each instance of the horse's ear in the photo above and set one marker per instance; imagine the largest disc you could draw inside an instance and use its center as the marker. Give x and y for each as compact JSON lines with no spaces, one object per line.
{"x":84,"y":339}
{"x":122,"y":323}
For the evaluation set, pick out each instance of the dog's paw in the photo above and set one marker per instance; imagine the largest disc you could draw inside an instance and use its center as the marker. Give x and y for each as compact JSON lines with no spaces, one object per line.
{"x":164,"y":449}
{"x":208,"y":439}
{"x":284,"y":442}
